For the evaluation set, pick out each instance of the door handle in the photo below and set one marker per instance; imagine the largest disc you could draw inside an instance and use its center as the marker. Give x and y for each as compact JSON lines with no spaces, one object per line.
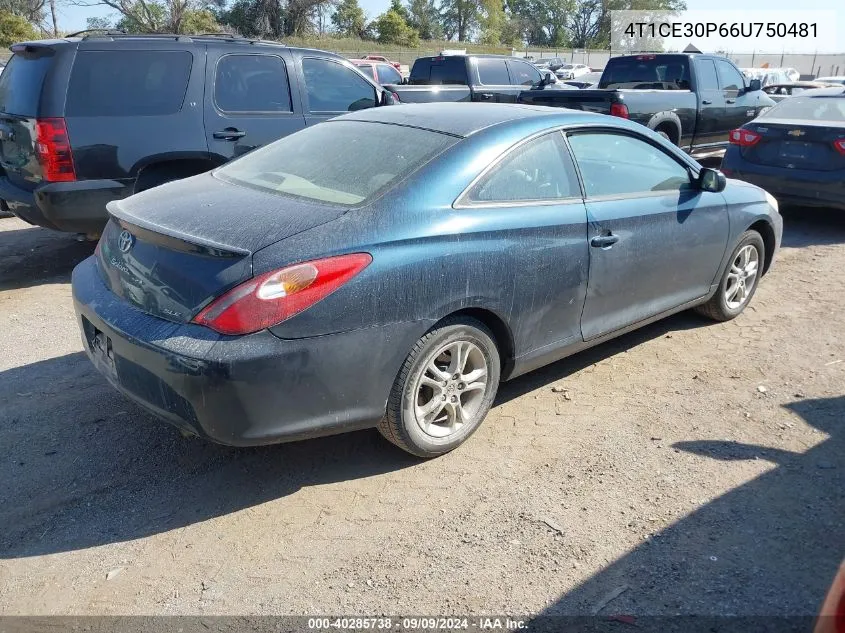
{"x":707,"y":102}
{"x":730,"y":100}
{"x":604,"y":241}
{"x":229,"y":134}
{"x":486,"y":95}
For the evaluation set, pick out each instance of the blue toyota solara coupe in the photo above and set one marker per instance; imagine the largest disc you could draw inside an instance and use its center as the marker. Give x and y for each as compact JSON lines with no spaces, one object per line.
{"x":389,"y":268}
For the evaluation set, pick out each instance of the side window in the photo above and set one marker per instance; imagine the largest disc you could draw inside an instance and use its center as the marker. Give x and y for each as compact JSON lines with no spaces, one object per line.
{"x":387,"y":74}
{"x":116,"y":83}
{"x":492,"y":72}
{"x":706,"y":75}
{"x":729,"y":77}
{"x":332,"y":87}
{"x":523,"y":74}
{"x":616,"y":164}
{"x":252,"y":83}
{"x":538,"y":170}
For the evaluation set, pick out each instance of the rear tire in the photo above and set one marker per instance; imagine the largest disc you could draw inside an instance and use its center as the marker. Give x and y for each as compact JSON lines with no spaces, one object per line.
{"x":444,"y":389}
{"x":739,"y":280}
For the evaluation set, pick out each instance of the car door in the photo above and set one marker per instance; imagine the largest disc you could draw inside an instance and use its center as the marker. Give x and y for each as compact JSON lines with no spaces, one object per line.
{"x":333,"y":87}
{"x":530,"y":202}
{"x":492,"y":81}
{"x":740,"y":106}
{"x":709,"y":127}
{"x":248,"y":102}
{"x":387,"y":74}
{"x":656,"y":241}
{"x":524,"y":76}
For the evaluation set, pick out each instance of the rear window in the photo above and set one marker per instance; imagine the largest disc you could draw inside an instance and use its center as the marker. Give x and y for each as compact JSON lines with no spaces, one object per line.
{"x":128,"y":83}
{"x":439,"y":71}
{"x":366,"y":159}
{"x":808,"y":108}
{"x":647,"y":72}
{"x":21,"y":82}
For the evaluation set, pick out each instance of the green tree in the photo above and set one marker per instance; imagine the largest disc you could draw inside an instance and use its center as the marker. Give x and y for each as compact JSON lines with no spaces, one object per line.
{"x":460,"y":18}
{"x":392,"y":29}
{"x":349,"y":19}
{"x":492,"y":20}
{"x":93,"y":24}
{"x":199,"y":21}
{"x":14,"y":28}
{"x":425,"y":18}
{"x":401,"y":9}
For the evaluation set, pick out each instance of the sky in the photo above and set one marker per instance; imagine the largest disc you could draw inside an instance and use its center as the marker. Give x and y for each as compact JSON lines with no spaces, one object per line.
{"x":831,"y":38}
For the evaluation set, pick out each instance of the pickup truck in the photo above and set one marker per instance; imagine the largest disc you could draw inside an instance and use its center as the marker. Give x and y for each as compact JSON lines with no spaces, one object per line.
{"x":693,"y":100}
{"x":493,"y":78}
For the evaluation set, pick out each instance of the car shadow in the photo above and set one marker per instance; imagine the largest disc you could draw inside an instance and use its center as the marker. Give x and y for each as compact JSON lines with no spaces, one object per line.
{"x":32,"y":256}
{"x":768,"y":547}
{"x":812,"y":226}
{"x":553,"y":372}
{"x":84,"y":466}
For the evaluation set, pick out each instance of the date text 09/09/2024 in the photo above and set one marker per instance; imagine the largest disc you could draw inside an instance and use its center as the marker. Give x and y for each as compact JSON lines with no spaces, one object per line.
{"x":418,"y":623}
{"x":722,"y":29}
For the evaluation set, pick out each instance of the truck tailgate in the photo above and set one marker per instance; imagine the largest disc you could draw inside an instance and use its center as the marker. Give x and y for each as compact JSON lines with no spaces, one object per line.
{"x":587,"y":100}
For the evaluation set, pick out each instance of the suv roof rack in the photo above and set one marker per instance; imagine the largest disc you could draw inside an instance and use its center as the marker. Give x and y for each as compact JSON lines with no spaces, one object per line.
{"x":111,"y":34}
{"x":103,"y":31}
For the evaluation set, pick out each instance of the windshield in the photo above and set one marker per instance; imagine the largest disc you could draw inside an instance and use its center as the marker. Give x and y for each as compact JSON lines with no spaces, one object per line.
{"x":366,"y":159}
{"x":809,"y":108}
{"x":647,"y":72}
{"x":567,"y":66}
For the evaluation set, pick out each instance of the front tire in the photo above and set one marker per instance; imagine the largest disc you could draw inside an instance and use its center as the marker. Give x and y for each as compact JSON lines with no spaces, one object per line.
{"x":739,"y":280}
{"x":444,"y":389}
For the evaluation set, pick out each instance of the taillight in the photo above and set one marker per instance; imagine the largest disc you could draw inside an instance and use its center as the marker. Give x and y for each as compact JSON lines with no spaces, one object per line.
{"x":744,"y":138}
{"x":839,"y":145}
{"x":275,"y":296}
{"x":619,"y":109}
{"x":53,"y":148}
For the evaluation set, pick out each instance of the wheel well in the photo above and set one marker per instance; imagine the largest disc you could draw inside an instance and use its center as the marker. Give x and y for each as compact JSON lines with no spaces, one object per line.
{"x":501,"y":334}
{"x":671,"y":130}
{"x":158,"y":173}
{"x":768,"y":234}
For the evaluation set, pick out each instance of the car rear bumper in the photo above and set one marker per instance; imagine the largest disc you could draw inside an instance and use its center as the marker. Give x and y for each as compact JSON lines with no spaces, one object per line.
{"x":75,"y":207}
{"x":240,"y":391}
{"x":791,"y":186}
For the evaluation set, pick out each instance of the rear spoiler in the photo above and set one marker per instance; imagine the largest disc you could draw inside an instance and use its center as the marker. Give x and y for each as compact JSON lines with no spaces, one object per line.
{"x":175,"y":239}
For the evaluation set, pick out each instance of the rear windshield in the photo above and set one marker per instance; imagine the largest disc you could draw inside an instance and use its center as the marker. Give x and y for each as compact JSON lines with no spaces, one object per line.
{"x":647,"y":72}
{"x":366,"y":159}
{"x":439,"y":71}
{"x":809,"y":108}
{"x":128,"y":83}
{"x":21,"y":82}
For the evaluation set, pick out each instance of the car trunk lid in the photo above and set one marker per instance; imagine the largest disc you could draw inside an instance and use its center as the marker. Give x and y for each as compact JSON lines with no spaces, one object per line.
{"x":172,"y":249}
{"x":796,"y":144}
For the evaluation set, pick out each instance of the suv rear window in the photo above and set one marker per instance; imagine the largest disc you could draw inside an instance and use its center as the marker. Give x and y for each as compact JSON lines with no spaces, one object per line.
{"x":20,"y":84}
{"x":439,"y":71}
{"x":647,"y":72}
{"x":128,"y":83}
{"x":366,"y":159}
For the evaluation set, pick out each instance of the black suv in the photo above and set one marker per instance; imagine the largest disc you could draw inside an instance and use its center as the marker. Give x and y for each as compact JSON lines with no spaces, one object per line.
{"x":86,"y":120}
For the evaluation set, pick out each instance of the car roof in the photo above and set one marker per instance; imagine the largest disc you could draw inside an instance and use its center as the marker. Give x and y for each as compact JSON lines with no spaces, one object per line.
{"x":465,"y":119}
{"x":835,"y":91}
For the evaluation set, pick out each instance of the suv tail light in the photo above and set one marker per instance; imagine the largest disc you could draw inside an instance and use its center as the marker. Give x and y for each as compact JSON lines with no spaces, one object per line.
{"x":839,"y":145}
{"x":619,"y":109}
{"x":275,"y":296}
{"x":53,"y":148}
{"x":744,"y":138}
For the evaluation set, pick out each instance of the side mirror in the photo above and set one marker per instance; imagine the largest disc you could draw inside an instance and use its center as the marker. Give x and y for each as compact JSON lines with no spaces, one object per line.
{"x":547,"y":80}
{"x":387,"y":98}
{"x":754,"y":85}
{"x":711,"y":180}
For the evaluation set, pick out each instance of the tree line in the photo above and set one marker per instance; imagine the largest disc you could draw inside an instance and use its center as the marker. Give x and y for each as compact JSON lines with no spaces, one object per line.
{"x":541,"y":23}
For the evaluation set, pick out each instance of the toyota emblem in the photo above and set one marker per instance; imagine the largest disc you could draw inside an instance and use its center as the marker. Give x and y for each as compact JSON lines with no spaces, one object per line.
{"x":125,"y":241}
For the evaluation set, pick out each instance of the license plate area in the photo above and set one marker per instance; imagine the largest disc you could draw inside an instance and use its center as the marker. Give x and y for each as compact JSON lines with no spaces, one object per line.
{"x":100,"y":347}
{"x":793,"y":150}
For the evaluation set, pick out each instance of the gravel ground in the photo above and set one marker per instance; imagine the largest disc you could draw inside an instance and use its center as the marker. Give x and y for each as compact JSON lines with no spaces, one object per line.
{"x":687,"y":468}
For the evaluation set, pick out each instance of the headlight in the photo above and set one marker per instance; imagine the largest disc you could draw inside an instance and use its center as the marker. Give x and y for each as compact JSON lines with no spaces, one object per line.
{"x":772,"y":202}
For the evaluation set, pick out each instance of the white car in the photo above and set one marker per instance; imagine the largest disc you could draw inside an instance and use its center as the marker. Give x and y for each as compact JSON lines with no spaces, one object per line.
{"x":835,"y":79}
{"x":571,"y":71}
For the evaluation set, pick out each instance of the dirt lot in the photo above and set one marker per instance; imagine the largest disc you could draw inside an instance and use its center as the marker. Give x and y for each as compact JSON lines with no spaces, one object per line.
{"x":689,"y":468}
